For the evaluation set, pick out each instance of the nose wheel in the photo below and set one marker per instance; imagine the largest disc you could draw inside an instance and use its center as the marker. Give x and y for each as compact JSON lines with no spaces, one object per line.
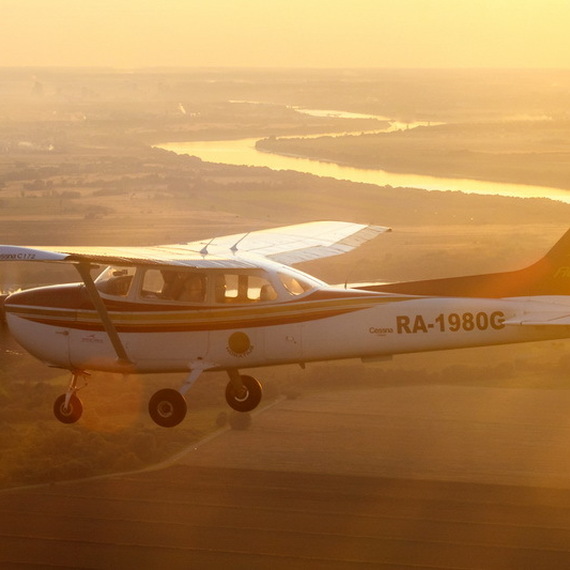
{"x":68,"y":412}
{"x":68,"y":408}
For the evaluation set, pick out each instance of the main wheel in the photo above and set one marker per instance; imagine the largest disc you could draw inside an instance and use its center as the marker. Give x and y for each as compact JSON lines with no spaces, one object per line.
{"x":167,"y":407}
{"x":68,"y":414}
{"x":250,"y":397}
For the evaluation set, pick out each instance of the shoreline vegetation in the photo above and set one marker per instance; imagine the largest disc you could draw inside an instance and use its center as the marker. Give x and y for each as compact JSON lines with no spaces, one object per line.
{"x":534,"y":152}
{"x":77,"y":167}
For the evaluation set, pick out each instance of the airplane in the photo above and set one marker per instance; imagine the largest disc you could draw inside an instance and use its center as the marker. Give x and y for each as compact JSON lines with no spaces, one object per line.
{"x":235,"y":302}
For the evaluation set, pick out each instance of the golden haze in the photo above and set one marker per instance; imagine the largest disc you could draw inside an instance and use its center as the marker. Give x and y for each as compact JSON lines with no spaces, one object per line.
{"x":285,"y":33}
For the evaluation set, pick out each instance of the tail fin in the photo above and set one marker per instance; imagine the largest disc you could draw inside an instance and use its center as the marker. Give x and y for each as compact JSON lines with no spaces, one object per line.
{"x":553,"y":270}
{"x":548,"y":276}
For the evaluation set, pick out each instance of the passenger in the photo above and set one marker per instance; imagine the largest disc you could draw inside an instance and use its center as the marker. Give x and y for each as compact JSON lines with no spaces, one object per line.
{"x":193,"y":290}
{"x":267,"y":293}
{"x":171,"y":288}
{"x":220,"y":292}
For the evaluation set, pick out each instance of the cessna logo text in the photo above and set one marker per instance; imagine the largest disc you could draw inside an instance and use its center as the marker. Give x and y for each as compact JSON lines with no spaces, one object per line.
{"x":380,"y":331}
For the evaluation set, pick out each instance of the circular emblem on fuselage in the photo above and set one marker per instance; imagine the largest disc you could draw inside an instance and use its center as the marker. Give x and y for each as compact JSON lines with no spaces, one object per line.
{"x":239,"y":344}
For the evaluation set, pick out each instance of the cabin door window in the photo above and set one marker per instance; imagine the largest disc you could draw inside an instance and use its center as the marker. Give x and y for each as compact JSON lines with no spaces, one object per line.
{"x":243,"y":288}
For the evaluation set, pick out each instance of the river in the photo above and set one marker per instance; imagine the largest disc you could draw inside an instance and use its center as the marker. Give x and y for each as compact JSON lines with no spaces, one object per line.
{"x":243,"y":152}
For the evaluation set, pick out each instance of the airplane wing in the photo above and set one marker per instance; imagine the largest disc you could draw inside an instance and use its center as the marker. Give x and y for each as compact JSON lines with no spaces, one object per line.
{"x":301,"y":242}
{"x":289,"y":245}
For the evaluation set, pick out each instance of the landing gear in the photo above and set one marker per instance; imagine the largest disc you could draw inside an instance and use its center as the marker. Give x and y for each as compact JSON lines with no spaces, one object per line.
{"x":70,"y":412}
{"x":243,"y":392}
{"x":68,"y":408}
{"x":167,"y":407}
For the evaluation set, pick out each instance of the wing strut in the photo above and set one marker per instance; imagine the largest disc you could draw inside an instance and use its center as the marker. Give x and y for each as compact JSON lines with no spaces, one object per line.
{"x":84,"y":271}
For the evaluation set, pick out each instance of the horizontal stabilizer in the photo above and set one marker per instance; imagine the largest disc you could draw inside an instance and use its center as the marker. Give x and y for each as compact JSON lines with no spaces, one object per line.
{"x":541,"y":319}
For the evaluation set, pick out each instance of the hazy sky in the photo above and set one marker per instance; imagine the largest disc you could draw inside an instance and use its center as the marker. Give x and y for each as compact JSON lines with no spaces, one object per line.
{"x":291,"y":33}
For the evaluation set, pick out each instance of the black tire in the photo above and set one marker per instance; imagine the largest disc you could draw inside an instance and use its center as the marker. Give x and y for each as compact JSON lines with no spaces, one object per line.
{"x":247,"y":401}
{"x":167,"y":407}
{"x":68,"y":414}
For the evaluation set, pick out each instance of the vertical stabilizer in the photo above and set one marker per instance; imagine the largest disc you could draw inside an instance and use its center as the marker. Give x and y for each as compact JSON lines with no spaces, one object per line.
{"x":548,"y":276}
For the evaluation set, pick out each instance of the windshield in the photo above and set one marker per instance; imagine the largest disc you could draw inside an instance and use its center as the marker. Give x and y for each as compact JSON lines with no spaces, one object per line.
{"x":115,"y":281}
{"x":294,"y":284}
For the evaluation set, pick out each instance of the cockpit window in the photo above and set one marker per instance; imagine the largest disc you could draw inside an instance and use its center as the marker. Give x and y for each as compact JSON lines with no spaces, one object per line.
{"x":294,"y":285}
{"x":115,"y":281}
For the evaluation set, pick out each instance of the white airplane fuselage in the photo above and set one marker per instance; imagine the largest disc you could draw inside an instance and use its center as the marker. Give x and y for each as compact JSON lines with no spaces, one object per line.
{"x":327,"y":324}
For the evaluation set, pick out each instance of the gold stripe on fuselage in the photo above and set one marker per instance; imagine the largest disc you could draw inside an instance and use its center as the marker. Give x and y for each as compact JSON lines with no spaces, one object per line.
{"x":242,"y":316}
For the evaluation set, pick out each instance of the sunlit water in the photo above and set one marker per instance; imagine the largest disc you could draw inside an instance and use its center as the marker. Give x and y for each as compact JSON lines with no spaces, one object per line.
{"x":243,"y":152}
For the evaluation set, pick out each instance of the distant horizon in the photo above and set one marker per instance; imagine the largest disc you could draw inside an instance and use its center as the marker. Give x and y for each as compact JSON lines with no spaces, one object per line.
{"x":267,"y":68}
{"x":294,"y":34}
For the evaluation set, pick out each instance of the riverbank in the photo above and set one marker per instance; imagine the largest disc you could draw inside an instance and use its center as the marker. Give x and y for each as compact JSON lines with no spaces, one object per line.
{"x":520,"y":152}
{"x":250,"y":152}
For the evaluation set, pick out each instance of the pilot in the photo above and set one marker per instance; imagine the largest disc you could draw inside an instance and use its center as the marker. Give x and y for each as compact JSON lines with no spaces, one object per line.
{"x":194,"y":289}
{"x":118,"y":284}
